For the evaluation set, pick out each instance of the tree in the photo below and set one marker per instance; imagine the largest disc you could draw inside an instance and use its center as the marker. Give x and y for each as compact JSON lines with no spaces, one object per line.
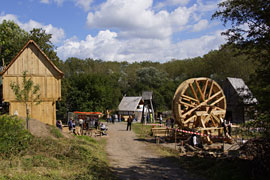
{"x":12,"y":39}
{"x":250,"y":32}
{"x":28,"y":92}
{"x":250,"y":20}
{"x":44,"y":42}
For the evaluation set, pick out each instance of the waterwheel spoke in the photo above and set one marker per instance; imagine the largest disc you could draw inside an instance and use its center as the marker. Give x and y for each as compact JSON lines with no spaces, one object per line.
{"x":215,"y":95}
{"x":189,"y":98}
{"x":200,"y":91}
{"x":193,"y":91}
{"x":217,"y":101}
{"x":190,"y":119}
{"x":186,"y":104}
{"x":211,"y":88}
{"x":205,"y":87}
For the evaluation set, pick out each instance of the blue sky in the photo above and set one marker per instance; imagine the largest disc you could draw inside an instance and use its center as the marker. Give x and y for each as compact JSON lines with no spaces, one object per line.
{"x":122,"y":30}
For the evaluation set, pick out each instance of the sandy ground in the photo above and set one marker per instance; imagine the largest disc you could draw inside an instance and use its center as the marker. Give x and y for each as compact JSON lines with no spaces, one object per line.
{"x":132,"y":159}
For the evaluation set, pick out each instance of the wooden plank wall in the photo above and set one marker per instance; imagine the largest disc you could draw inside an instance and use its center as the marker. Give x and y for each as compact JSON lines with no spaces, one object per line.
{"x":44,"y":112}
{"x":42,"y":73}
{"x":38,"y":69}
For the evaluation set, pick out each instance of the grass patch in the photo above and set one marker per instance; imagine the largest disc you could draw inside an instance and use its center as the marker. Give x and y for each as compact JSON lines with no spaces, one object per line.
{"x":142,"y":131}
{"x":46,"y":158}
{"x":56,"y":132}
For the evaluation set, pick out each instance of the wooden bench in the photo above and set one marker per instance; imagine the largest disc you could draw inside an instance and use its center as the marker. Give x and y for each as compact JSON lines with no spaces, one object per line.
{"x":161,"y":132}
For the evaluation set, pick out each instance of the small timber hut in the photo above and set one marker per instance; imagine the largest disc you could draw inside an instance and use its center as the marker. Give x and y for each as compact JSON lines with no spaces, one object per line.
{"x":43,"y":72}
{"x":130,"y":105}
{"x":240,"y":100}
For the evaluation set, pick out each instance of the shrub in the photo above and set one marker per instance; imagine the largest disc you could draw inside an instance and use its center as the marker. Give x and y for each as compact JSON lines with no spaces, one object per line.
{"x":14,"y":138}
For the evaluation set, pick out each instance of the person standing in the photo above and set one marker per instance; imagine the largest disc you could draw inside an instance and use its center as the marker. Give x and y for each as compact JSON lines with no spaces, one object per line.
{"x":229,"y":125}
{"x":168,"y":122}
{"x":120,"y":118}
{"x":172,"y":122}
{"x":129,"y":122}
{"x":70,"y":125}
{"x":160,"y":119}
{"x":108,"y":117}
{"x":113,"y":118}
{"x":116,"y":117}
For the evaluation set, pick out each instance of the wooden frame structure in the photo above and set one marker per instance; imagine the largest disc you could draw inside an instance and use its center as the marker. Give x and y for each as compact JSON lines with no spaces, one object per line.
{"x":43,"y":72}
{"x":199,"y":104}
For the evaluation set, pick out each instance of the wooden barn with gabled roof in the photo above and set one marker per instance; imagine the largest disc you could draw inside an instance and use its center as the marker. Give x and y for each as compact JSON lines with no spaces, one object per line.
{"x":43,"y":72}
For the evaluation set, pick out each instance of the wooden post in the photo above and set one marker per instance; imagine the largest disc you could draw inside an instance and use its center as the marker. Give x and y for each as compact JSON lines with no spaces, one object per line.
{"x":27,"y":117}
{"x":175,"y":138}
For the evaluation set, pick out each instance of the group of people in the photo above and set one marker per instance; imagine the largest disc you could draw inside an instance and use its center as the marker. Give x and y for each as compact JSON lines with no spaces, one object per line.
{"x":113,"y":118}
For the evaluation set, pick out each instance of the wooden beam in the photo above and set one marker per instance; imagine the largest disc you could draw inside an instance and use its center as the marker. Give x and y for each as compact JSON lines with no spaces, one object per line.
{"x":28,"y":75}
{"x":205,"y":87}
{"x":217,"y":100}
{"x":210,"y":128}
{"x":200,"y":91}
{"x":186,"y":104}
{"x":190,"y":119}
{"x":216,"y":118}
{"x":211,"y":88}
{"x":203,"y":125}
{"x":193,"y":91}
{"x":218,"y":93}
{"x":191,"y":110}
{"x":188,"y":97}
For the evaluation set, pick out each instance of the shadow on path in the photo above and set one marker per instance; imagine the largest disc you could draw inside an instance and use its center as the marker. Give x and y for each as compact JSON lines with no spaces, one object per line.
{"x":156,"y":169}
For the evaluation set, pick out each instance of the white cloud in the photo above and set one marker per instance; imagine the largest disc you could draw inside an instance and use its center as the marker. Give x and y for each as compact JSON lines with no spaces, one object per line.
{"x":199,"y":46}
{"x":58,"y":34}
{"x":7,"y":17}
{"x":207,"y":6}
{"x":59,"y":2}
{"x":107,"y":46}
{"x":201,"y":25}
{"x":45,"y":1}
{"x":167,"y":3}
{"x":85,"y":4}
{"x":135,"y":18}
{"x":103,"y":46}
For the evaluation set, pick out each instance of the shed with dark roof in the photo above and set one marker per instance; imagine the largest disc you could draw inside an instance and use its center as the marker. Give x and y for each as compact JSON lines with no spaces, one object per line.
{"x":240,"y":100}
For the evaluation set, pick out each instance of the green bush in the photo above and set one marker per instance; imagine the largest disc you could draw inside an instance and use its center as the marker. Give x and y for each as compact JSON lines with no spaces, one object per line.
{"x":14,"y":138}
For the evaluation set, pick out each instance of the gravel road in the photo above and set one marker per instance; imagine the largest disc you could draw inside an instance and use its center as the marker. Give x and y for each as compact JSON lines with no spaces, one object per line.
{"x":132,"y":159}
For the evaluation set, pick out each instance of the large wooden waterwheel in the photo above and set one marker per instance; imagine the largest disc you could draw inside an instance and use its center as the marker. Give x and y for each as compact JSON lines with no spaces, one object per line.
{"x":199,"y":104}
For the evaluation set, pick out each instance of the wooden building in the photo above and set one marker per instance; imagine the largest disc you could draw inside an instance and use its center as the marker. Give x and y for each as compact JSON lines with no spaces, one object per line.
{"x":240,"y":100}
{"x":43,"y":72}
{"x":130,"y":105}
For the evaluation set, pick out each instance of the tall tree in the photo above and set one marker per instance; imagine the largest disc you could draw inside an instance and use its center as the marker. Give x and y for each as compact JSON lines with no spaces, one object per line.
{"x":250,"y":30}
{"x":12,"y":39}
{"x":44,"y":42}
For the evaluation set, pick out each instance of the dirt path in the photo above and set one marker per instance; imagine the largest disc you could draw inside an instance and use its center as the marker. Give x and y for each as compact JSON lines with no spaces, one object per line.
{"x":131,"y":159}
